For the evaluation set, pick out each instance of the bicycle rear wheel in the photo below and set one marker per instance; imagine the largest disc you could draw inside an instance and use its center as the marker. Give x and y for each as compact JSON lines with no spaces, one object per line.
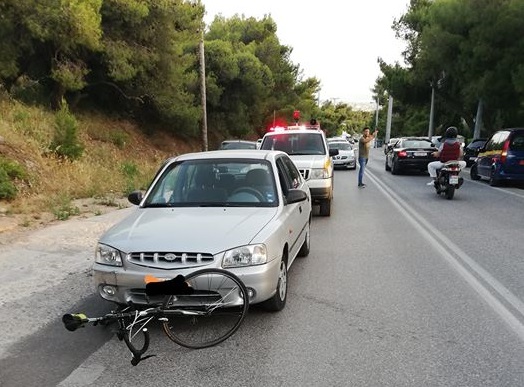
{"x":211,"y":314}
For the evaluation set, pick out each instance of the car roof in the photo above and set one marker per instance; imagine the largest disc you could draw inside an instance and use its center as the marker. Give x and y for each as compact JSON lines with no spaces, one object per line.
{"x":231,"y":154}
{"x":242,"y":141}
{"x":294,"y":131}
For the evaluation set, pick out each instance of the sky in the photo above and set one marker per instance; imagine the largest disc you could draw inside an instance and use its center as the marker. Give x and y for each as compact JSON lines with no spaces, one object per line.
{"x":336,"y":41}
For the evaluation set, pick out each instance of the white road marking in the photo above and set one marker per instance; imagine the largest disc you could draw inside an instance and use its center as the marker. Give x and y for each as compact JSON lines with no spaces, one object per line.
{"x":440,"y":242}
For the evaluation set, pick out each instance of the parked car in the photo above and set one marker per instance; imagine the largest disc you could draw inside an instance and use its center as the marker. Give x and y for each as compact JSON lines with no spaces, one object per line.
{"x":410,"y":153}
{"x":501,"y":158}
{"x":238,"y":144}
{"x":309,"y":151}
{"x":346,"y":154}
{"x":245,"y":211}
{"x":472,"y":150}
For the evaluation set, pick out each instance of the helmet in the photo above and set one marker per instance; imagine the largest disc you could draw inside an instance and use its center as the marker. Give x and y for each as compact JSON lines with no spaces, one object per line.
{"x":451,"y":132}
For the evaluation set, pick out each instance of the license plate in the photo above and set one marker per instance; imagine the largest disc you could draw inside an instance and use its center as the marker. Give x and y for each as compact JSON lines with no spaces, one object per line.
{"x":419,"y":154}
{"x":453,"y":180}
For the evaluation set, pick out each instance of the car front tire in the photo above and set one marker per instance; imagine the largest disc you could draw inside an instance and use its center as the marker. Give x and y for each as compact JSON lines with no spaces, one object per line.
{"x":278,"y":301}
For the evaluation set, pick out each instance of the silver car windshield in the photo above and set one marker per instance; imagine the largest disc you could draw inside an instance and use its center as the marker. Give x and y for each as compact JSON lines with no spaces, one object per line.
{"x":340,"y":145}
{"x":215,"y":182}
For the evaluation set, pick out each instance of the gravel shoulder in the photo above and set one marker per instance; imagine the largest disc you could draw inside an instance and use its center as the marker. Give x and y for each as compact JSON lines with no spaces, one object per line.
{"x":46,"y":270}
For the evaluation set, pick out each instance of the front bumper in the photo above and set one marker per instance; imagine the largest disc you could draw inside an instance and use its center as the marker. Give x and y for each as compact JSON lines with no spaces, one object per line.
{"x":127,"y":284}
{"x":345,"y":163}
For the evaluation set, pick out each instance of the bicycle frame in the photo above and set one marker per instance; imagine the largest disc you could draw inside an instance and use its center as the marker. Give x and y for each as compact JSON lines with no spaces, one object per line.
{"x":191,"y":302}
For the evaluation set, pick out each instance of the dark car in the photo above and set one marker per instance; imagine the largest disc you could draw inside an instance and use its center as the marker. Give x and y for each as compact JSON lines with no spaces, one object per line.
{"x":472,"y":150}
{"x":410,"y":153}
{"x":238,"y":144}
{"x":501,"y":158}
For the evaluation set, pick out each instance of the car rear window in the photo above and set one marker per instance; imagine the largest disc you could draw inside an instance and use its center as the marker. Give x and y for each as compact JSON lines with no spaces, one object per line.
{"x":417,"y":144}
{"x":296,"y":143}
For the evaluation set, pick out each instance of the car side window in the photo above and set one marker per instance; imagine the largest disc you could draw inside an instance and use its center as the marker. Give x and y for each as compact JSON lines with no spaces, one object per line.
{"x":489,"y":144}
{"x":284,"y":175}
{"x":292,"y":172}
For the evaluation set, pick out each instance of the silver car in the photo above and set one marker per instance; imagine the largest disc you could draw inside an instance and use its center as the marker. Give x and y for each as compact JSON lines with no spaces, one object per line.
{"x":346,"y":154}
{"x":248,"y":212}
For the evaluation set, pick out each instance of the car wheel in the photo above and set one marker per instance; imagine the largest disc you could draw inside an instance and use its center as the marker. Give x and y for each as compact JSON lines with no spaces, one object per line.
{"x":304,"y":250}
{"x":387,"y":166}
{"x":493,"y":181}
{"x":325,"y":207}
{"x":473,"y":172}
{"x":278,"y":301}
{"x":395,"y":169}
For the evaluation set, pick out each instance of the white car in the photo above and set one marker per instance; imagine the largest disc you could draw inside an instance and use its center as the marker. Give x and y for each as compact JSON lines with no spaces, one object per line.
{"x":346,"y":154}
{"x":247,"y":211}
{"x":308,"y":149}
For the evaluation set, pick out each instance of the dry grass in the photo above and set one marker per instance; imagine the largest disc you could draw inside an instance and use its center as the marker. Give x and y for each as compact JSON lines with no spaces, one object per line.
{"x":117,"y":159}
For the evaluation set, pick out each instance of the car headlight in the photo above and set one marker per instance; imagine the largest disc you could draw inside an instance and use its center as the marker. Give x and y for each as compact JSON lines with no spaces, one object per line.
{"x":319,"y":173}
{"x":107,"y":255}
{"x":245,"y":256}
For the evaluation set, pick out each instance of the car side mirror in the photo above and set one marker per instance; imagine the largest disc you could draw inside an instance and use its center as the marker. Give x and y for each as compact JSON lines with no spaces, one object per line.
{"x":333,"y":152}
{"x":135,"y":197}
{"x":295,"y":196}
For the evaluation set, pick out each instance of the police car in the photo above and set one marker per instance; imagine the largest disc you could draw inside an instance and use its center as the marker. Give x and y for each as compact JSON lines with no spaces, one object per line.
{"x":306,"y":145}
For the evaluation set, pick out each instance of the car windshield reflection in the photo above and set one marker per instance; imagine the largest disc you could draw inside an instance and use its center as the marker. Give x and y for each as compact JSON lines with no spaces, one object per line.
{"x":215,"y":183}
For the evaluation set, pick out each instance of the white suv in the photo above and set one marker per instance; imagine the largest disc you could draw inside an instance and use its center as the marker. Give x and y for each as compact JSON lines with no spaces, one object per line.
{"x":308,"y":149}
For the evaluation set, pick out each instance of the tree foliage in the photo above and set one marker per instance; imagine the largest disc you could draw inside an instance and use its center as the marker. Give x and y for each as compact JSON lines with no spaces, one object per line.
{"x":467,"y":50}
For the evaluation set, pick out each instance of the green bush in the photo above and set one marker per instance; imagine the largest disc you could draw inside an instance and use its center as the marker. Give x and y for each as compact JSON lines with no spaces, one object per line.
{"x":130,"y":172}
{"x":62,"y":208}
{"x":65,"y":142}
{"x":9,"y":171}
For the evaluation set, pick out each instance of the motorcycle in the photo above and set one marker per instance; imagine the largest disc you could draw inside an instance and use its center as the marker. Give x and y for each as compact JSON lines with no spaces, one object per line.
{"x":448,"y":179}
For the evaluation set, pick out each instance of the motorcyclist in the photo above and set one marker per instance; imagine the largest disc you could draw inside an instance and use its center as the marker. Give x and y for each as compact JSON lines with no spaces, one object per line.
{"x":450,"y":149}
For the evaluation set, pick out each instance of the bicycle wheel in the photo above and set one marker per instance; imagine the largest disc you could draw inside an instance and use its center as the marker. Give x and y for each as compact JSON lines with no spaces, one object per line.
{"x":210,"y":314}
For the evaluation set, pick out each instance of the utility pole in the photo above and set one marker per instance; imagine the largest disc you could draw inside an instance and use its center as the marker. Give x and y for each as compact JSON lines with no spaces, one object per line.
{"x":203,"y":89}
{"x":430,"y":129}
{"x":478,"y":120}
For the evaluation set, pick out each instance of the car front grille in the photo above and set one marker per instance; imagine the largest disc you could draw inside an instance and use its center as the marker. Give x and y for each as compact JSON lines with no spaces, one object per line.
{"x":170,"y":260}
{"x":304,"y":173}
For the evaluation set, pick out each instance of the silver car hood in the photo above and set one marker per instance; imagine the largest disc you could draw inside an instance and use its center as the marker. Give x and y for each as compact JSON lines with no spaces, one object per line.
{"x":202,"y":229}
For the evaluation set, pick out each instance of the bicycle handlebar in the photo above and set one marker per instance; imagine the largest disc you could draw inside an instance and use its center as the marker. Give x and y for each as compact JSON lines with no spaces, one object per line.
{"x":74,"y":321}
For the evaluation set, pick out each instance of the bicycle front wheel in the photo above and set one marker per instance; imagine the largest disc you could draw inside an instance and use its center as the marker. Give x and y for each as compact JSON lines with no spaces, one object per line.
{"x":213,"y":311}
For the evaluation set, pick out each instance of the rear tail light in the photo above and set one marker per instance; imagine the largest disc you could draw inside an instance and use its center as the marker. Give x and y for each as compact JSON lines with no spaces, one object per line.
{"x":402,"y":154}
{"x":504,"y":153}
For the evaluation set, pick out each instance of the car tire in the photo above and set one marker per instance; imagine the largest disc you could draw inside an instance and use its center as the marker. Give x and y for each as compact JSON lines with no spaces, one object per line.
{"x":473,"y":172}
{"x":278,"y":301}
{"x":325,"y":207}
{"x":304,"y":249}
{"x":395,"y":169}
{"x":493,"y":181}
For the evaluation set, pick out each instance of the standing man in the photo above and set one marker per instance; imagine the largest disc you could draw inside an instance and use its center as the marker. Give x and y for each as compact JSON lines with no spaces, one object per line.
{"x":363,"y":152}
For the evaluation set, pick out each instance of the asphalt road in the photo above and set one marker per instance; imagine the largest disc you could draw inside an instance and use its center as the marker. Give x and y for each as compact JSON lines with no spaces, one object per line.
{"x":401,"y":288}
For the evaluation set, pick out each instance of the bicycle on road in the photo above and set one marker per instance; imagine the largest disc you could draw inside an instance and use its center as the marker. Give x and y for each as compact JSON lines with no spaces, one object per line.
{"x":198,"y":311}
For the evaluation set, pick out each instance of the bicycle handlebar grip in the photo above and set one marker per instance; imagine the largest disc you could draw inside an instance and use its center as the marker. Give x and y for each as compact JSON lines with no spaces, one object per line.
{"x":74,"y":321}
